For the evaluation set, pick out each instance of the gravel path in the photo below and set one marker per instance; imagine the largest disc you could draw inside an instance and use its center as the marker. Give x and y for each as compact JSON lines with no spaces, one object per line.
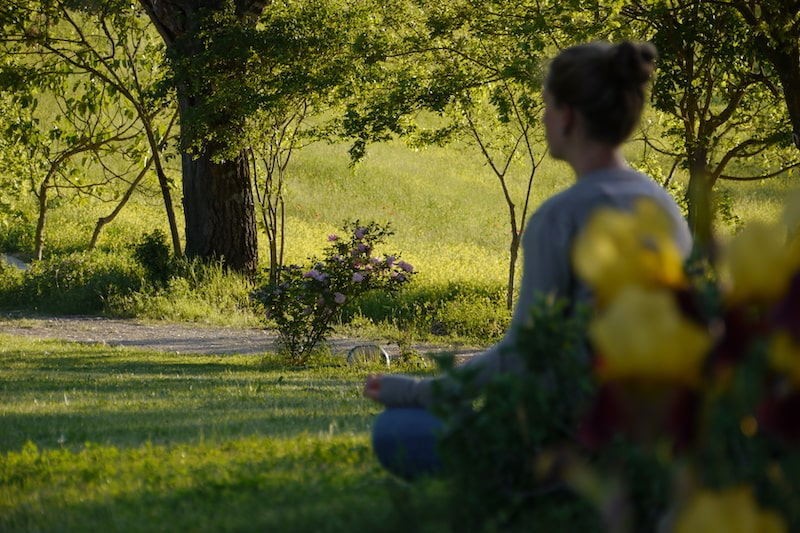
{"x":177,"y":338}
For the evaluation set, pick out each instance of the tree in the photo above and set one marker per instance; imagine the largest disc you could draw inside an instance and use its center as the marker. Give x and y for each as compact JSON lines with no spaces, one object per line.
{"x":208,"y":43}
{"x":305,"y":57}
{"x":478,"y":67}
{"x":724,"y":109}
{"x":775,"y":29}
{"x":98,"y":63}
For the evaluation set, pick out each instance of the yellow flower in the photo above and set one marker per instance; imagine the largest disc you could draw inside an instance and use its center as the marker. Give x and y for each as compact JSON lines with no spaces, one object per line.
{"x":784,"y":356}
{"x":731,"y":511}
{"x":759,"y":263}
{"x":618,"y":248}
{"x":643,"y":334}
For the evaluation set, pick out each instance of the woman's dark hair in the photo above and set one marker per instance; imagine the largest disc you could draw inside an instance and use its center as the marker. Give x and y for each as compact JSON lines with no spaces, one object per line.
{"x":606,"y":83}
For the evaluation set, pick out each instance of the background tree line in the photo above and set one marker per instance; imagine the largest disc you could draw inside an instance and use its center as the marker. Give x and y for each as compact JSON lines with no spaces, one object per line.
{"x":230,"y":88}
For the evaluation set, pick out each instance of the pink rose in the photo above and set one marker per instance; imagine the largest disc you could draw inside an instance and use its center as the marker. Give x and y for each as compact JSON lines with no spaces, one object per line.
{"x":405,"y":266}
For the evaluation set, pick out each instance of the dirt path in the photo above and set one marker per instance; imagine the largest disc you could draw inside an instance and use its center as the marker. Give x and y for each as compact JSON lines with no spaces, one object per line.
{"x":176,"y":338}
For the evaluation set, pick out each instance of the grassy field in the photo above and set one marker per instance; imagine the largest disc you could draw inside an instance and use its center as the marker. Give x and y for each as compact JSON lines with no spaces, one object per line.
{"x":97,"y":438}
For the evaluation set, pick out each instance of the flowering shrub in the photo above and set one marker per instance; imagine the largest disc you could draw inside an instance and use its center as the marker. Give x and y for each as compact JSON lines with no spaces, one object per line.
{"x":305,"y":300}
{"x":696,"y":369}
{"x":684,"y":415}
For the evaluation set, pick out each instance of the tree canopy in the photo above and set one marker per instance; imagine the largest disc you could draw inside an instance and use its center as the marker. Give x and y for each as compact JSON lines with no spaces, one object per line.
{"x":727,"y":89}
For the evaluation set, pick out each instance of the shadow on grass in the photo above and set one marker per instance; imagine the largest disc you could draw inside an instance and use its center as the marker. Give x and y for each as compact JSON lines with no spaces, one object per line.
{"x":61,"y":395}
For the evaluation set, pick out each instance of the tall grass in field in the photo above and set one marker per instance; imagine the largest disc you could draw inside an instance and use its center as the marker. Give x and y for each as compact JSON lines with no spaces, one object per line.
{"x":446,"y":208}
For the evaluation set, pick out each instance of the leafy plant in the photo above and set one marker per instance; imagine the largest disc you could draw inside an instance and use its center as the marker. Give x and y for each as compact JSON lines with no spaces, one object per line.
{"x":494,"y":433}
{"x":153,"y":253}
{"x":305,"y":300}
{"x":76,"y":283}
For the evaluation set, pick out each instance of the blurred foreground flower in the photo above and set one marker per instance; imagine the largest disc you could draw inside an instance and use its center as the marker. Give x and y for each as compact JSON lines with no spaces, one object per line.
{"x":784,"y":356}
{"x":618,"y":248}
{"x":759,"y":264}
{"x":644,"y":335}
{"x":731,"y":511}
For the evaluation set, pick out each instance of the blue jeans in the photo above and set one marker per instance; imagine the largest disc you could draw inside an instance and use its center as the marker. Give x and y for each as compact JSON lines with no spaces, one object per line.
{"x":404,"y":439}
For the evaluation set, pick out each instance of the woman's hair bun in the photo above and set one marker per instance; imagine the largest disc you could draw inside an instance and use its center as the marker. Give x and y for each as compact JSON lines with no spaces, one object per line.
{"x":632,"y":62}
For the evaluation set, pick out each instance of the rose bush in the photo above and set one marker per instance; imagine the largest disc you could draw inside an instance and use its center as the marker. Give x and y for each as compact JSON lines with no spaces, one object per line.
{"x":306,"y":299}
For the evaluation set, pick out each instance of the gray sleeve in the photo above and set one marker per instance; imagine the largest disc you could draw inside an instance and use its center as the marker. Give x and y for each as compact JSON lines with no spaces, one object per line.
{"x":546,"y":270}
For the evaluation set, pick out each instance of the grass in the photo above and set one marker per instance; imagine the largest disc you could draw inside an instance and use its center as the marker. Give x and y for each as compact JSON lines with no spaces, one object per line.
{"x":97,"y":438}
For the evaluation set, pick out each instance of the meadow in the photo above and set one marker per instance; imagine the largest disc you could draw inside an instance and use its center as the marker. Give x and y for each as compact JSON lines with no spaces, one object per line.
{"x":98,"y":438}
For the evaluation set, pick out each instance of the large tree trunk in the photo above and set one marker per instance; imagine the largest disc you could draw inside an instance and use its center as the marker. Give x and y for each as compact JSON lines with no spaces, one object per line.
{"x":786,"y":60}
{"x":219,"y":211}
{"x":217,"y":195}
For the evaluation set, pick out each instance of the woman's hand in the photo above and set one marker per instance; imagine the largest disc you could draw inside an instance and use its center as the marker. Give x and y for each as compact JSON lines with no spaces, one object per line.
{"x":372,"y":388}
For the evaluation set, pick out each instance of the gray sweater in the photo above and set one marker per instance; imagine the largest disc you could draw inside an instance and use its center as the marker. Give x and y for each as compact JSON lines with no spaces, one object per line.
{"x":547,"y":269}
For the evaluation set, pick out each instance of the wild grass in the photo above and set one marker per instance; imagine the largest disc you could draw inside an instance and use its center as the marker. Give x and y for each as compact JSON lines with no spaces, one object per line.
{"x":444,"y":204}
{"x":97,"y":438}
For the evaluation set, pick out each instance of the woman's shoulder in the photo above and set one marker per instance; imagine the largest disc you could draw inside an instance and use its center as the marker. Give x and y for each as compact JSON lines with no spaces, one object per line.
{"x":611,"y":187}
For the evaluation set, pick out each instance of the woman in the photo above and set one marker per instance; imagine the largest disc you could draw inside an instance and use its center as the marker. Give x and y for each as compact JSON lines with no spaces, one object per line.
{"x":593,"y":94}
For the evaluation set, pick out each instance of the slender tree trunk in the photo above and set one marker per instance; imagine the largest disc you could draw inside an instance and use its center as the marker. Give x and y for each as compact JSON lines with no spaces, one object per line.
{"x":163,"y":182}
{"x":512,"y":268}
{"x":701,"y":206}
{"x":38,"y":239}
{"x":102,"y":221}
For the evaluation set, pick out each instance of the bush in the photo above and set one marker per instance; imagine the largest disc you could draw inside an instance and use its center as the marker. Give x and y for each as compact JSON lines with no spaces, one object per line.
{"x":305,"y":300}
{"x":494,"y":433}
{"x":16,"y":234}
{"x":76,"y":283}
{"x":153,"y":253}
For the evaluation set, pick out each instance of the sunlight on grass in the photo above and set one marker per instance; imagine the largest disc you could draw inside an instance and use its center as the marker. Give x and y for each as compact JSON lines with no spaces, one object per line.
{"x":108,"y":438}
{"x":298,"y":484}
{"x":445,"y":206}
{"x":57,"y":394}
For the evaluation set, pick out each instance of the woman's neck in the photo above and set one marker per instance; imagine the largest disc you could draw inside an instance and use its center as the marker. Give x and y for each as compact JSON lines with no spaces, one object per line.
{"x":595,"y":157}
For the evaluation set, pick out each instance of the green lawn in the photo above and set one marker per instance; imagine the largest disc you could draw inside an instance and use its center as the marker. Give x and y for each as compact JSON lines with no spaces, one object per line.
{"x":107,"y":439}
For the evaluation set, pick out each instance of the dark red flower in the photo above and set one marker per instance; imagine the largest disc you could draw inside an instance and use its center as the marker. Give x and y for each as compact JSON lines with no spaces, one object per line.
{"x":644,"y":412}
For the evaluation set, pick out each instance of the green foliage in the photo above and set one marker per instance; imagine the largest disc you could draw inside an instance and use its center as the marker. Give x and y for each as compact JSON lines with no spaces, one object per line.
{"x":494,"y":433}
{"x":723,"y":108}
{"x":153,"y":253}
{"x":81,"y":108}
{"x":16,"y":233}
{"x":76,"y":283}
{"x":305,"y":300}
{"x":196,"y":291}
